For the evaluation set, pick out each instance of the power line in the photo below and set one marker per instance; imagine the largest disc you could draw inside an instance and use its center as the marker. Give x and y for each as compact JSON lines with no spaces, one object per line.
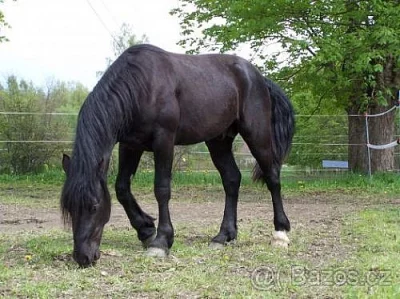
{"x":100,"y":19}
{"x":109,"y":12}
{"x":294,"y":144}
{"x":103,"y":23}
{"x":297,"y":115}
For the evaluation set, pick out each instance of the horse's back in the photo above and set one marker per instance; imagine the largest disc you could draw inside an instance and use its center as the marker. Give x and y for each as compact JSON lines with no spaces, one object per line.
{"x":200,"y":96}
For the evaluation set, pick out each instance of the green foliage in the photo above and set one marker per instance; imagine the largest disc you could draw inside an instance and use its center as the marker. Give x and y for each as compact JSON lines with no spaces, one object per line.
{"x":316,"y":131}
{"x":31,"y":135}
{"x":345,"y":52}
{"x":3,"y":24}
{"x":335,"y":47}
{"x":72,"y":96}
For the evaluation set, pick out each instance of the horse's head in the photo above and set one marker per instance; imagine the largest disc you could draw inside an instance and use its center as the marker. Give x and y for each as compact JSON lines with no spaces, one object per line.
{"x":86,"y":204}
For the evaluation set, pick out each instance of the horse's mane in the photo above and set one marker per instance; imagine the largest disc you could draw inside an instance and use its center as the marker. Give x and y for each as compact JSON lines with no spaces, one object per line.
{"x":104,"y":117}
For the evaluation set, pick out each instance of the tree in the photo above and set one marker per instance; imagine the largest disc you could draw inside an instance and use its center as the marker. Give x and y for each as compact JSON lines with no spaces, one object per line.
{"x":318,"y":137}
{"x":23,"y":101}
{"x":122,"y":41}
{"x":3,"y":24}
{"x":30,"y":132}
{"x":345,"y":51}
{"x":72,"y":97}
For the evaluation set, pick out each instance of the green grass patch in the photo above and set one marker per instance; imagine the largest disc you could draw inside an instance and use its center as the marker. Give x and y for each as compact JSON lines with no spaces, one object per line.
{"x":385,"y":183}
{"x":51,"y":177}
{"x":39,"y":264}
{"x":382,"y":183}
{"x":376,"y":235}
{"x":43,"y":190}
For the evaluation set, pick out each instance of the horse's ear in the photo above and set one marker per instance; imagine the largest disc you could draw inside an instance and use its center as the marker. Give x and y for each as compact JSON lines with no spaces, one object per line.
{"x":65,"y":162}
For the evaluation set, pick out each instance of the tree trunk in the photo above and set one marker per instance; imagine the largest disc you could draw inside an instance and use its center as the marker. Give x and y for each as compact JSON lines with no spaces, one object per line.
{"x":381,"y":131}
{"x":358,"y":154}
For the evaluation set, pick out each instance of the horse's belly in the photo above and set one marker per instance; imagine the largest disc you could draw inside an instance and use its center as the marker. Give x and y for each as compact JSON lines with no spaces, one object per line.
{"x":207,"y":118}
{"x":198,"y":131}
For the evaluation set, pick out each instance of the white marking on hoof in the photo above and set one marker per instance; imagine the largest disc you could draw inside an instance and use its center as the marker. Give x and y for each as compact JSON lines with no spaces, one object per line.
{"x":216,"y":246}
{"x":146,"y":243}
{"x":156,"y":252}
{"x":280,"y":239}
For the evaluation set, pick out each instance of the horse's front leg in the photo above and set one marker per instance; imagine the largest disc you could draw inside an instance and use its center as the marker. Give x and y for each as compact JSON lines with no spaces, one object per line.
{"x":141,"y":221}
{"x":163,"y":147}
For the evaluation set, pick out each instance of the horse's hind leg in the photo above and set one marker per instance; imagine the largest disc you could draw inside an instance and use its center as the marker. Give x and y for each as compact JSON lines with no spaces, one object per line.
{"x":281,"y":221}
{"x":261,"y":149}
{"x":221,"y":154}
{"x":127,"y":166}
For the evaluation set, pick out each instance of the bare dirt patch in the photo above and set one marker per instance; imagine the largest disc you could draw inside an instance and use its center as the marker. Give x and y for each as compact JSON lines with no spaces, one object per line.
{"x":319,"y":221}
{"x":316,"y":219}
{"x":302,"y":213}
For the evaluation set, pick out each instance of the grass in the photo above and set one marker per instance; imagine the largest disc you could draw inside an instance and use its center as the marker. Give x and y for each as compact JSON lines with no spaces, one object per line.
{"x":379,"y":183}
{"x":357,"y":258}
{"x":43,"y":190}
{"x":40,"y":265}
{"x":377,"y":261}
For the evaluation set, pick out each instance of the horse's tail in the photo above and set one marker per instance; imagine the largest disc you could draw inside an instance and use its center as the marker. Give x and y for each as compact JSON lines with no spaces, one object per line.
{"x":283,"y":126}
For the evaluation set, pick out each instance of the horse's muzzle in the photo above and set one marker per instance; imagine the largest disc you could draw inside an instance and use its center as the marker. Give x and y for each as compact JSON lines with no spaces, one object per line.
{"x":85,"y":260}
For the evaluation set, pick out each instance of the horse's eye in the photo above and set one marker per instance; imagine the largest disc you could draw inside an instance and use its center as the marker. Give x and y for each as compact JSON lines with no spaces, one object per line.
{"x":94,"y":208}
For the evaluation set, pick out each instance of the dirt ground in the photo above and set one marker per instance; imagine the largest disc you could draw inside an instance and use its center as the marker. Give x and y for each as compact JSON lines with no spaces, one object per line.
{"x":20,"y":218}
{"x":317,"y":219}
{"x":314,"y":211}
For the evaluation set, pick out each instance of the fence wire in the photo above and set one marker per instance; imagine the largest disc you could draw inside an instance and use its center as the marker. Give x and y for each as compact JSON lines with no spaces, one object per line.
{"x":317,"y":138}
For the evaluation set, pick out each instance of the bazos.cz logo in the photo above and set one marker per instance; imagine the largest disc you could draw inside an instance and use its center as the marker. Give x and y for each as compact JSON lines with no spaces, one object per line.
{"x":268,"y":277}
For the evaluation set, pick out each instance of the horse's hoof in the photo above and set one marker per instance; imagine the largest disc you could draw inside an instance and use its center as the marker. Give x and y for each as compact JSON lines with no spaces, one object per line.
{"x":216,"y":246}
{"x":280,"y":239}
{"x":156,"y":252}
{"x":146,"y":243}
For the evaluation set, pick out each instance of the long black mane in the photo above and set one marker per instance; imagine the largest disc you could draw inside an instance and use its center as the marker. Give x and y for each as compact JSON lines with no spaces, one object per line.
{"x":103,"y":118}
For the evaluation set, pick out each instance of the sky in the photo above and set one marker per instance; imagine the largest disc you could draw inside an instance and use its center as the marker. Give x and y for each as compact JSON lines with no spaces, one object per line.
{"x":65,"y":39}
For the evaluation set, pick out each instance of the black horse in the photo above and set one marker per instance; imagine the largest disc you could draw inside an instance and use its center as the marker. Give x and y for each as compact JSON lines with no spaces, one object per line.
{"x":151,"y":100}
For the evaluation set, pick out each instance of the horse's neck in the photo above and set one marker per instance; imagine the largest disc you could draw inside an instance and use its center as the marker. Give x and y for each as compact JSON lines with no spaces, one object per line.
{"x":92,"y":152}
{"x":98,"y":127}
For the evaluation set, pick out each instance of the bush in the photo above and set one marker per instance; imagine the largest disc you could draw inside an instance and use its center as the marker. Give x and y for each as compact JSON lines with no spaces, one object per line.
{"x":29,"y":132}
